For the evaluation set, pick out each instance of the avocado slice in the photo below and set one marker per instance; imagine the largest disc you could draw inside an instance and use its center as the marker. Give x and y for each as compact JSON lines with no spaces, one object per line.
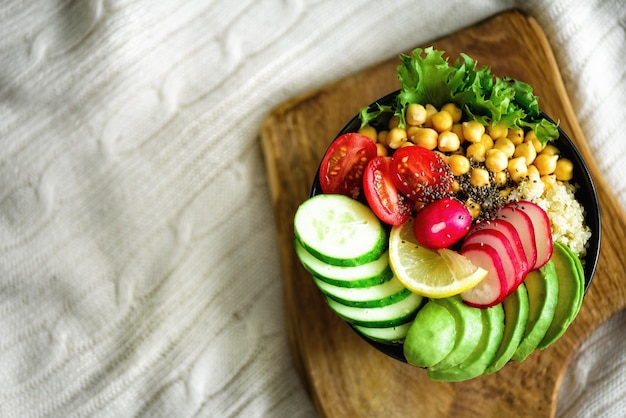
{"x":484,"y":353}
{"x":543,"y":290}
{"x":431,"y":336}
{"x":515,"y":317}
{"x":571,"y":290}
{"x":468,"y":331}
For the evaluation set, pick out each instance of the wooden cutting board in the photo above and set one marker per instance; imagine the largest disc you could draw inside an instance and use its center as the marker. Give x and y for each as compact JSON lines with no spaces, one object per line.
{"x":343,"y":374}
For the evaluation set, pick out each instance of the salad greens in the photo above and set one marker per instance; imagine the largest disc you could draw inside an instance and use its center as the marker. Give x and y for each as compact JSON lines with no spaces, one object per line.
{"x":427,"y":77}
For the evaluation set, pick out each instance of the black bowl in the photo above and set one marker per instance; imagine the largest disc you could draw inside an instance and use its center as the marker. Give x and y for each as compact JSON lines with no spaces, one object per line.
{"x":586,"y":195}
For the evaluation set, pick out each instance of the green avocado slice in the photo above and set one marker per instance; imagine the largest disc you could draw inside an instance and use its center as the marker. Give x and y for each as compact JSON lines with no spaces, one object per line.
{"x":484,"y":353}
{"x":543,"y":290}
{"x":431,"y":336}
{"x":571,"y":289}
{"x":468,"y":331}
{"x":515,"y":317}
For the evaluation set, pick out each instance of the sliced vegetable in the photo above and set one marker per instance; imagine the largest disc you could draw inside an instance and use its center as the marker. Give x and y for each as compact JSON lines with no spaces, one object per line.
{"x":382,"y":194}
{"x":341,"y":170}
{"x":339,"y":230}
{"x":421,"y":174}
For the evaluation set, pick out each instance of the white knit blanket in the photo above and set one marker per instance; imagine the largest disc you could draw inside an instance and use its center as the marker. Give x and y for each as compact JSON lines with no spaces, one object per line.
{"x":139,"y":270}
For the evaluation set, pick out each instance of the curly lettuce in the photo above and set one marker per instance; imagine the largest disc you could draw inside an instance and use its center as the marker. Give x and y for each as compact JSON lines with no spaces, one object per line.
{"x":426,"y":77}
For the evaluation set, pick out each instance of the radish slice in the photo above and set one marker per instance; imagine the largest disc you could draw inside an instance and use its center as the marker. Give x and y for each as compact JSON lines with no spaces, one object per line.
{"x":493,"y":288}
{"x":541,"y":226}
{"x":499,"y":242}
{"x":525,"y":229}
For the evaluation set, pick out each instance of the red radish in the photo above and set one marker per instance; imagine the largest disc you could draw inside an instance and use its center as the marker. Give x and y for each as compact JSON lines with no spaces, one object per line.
{"x":498,"y":241}
{"x":524,"y":227}
{"x":442,"y":223}
{"x":492,"y":289}
{"x":543,"y":232}
{"x":513,"y":238}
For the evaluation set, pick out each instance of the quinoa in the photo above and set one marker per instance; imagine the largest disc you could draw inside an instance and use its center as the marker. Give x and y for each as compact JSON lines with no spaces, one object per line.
{"x":566,"y":214}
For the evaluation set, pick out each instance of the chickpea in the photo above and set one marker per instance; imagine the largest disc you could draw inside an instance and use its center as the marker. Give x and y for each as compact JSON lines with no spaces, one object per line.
{"x":476,"y":152}
{"x":487,"y":141}
{"x":415,"y":114}
{"x":517,"y":168}
{"x":459,"y":164}
{"x":396,"y":137}
{"x":411,"y":130}
{"x":498,"y":131}
{"x":545,"y":163}
{"x":473,"y":207}
{"x":479,"y":177}
{"x":382,"y":137}
{"x":369,"y":131}
{"x":454,"y":110}
{"x":532,"y":171}
{"x":499,"y":178}
{"x":526,"y":150}
{"x":550,"y":149}
{"x":442,"y":121}
{"x":457,"y":128}
{"x":430,"y":111}
{"x":564,"y":170}
{"x":532,"y":138}
{"x":394,"y":121}
{"x":473,"y":131}
{"x":425,"y":137}
{"x":516,"y":135}
{"x":455,"y":187}
{"x":496,"y":160}
{"x":448,"y":141}
{"x":505,"y":145}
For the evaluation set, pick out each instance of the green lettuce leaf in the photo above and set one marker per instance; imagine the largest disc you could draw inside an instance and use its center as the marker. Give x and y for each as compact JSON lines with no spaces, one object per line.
{"x":426,"y":77}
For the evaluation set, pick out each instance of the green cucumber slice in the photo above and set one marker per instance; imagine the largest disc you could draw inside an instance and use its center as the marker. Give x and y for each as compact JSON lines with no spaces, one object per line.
{"x":366,"y":275}
{"x":388,"y":335}
{"x":339,"y":230}
{"x":376,"y":296}
{"x":386,"y":316}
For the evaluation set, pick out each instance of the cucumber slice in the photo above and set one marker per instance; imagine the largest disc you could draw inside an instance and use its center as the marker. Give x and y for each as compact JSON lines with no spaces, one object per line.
{"x":366,"y":275}
{"x":376,"y":296}
{"x":386,"y":316}
{"x":388,"y":335}
{"x":339,"y":230}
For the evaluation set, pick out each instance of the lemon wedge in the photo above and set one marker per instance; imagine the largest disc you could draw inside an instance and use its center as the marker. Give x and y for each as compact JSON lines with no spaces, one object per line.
{"x":431,"y":273}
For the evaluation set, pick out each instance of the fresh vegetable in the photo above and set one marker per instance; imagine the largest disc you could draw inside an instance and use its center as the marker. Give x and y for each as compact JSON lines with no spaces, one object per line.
{"x":427,"y":77}
{"x":339,"y":230}
{"x":342,"y":167}
{"x":442,"y":223}
{"x":543,"y":291}
{"x":382,"y":194}
{"x":420,"y":174}
{"x":505,"y":250}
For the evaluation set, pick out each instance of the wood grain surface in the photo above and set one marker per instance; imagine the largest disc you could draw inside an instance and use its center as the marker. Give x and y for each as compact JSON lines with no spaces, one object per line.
{"x":343,"y":374}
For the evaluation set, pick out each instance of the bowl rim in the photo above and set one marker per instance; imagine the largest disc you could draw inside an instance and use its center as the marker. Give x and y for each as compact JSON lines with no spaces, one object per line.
{"x":582,"y":177}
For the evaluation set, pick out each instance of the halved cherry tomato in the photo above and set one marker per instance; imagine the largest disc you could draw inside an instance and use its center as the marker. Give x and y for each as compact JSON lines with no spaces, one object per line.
{"x":341,"y":171}
{"x":421,"y":174}
{"x":382,"y":194}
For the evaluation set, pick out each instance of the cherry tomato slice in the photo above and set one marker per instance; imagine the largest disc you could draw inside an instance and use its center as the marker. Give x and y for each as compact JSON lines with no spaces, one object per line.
{"x":341,"y":170}
{"x":382,"y":194}
{"x":421,"y":174}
